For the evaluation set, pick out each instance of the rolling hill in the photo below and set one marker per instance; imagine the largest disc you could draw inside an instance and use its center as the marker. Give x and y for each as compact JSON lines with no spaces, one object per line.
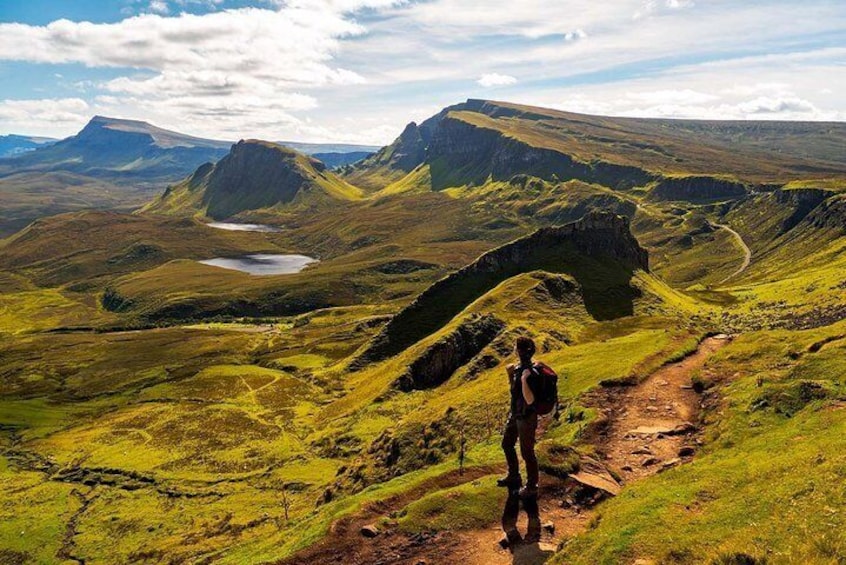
{"x":685,"y":278}
{"x":112,"y":164}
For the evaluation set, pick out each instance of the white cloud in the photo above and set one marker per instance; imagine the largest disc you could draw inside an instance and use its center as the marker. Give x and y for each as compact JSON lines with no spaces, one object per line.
{"x":216,"y":70}
{"x":780,"y":105}
{"x":304,"y":67}
{"x":158,"y":7}
{"x":651,"y":7}
{"x":672,"y":96}
{"x":495,"y":79}
{"x":575,"y":35}
{"x":785,"y":87}
{"x":43,"y":115}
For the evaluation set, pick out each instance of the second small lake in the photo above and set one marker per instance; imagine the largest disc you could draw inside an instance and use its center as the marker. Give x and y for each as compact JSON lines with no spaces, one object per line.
{"x":230,"y":226}
{"x":263,"y":264}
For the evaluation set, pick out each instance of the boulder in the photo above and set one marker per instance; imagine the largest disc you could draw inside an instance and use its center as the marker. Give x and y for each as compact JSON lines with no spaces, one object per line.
{"x":369,"y":531}
{"x":649,"y":461}
{"x":686,"y":451}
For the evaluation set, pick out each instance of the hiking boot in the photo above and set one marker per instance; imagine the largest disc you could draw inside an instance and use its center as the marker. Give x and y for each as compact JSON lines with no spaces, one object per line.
{"x":512,"y":538}
{"x":510,"y":482}
{"x":529,"y":491}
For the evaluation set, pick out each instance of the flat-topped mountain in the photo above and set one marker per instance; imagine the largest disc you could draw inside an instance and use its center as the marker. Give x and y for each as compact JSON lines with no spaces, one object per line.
{"x":479,"y":140}
{"x":113,"y":148}
{"x":254,"y":175}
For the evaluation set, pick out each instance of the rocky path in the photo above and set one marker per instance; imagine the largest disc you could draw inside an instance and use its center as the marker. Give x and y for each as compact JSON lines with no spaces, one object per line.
{"x":747,"y":253}
{"x":651,"y":426}
{"x":643,"y":430}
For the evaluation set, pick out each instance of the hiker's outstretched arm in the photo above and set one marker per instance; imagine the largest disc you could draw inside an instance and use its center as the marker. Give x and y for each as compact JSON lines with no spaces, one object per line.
{"x":528,"y":395}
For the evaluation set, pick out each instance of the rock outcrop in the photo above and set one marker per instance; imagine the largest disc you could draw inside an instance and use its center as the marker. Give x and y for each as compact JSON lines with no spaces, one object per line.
{"x":599,"y":251}
{"x":409,"y":149}
{"x":698,"y":189}
{"x":257,"y":175}
{"x":803,"y":201}
{"x":444,"y":357}
{"x":830,"y":214}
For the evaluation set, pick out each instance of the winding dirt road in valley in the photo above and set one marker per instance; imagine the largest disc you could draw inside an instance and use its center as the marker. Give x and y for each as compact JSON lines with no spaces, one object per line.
{"x":747,"y":258}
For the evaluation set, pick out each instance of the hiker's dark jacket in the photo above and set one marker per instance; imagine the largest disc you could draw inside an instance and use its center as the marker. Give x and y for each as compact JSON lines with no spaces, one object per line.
{"x":519,"y":408}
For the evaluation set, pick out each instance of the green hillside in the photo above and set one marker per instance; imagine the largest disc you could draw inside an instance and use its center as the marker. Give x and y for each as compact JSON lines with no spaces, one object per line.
{"x":687,"y":279}
{"x":255,"y":175}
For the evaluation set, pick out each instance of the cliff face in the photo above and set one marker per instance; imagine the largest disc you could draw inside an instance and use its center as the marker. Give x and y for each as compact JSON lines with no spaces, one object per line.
{"x":405,"y":154}
{"x":803,"y":201}
{"x":597,"y":235}
{"x":468,"y":143}
{"x":462,"y":153}
{"x":599,"y":251}
{"x":830,"y":214}
{"x":698,"y":189}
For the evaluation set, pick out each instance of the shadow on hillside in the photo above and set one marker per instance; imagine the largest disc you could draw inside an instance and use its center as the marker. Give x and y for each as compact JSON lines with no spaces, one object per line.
{"x":605,"y":287}
{"x":616,"y":300}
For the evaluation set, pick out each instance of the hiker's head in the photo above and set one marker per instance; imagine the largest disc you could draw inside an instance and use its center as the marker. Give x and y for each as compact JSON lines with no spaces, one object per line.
{"x":525,"y":349}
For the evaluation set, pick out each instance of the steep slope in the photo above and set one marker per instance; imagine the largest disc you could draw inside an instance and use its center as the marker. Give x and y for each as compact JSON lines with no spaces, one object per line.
{"x":767,"y":486}
{"x":407,"y":417}
{"x":598,"y":248}
{"x":114,"y":148}
{"x":394,"y":161}
{"x":472,"y":142}
{"x":254,"y":175}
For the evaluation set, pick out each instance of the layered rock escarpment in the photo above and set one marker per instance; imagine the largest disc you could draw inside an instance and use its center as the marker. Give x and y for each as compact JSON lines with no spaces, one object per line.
{"x":464,"y":153}
{"x":599,"y":250}
{"x":125,"y":149}
{"x":698,"y":189}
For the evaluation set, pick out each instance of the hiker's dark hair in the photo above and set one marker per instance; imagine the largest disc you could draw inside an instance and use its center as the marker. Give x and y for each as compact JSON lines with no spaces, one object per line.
{"x":525,"y":349}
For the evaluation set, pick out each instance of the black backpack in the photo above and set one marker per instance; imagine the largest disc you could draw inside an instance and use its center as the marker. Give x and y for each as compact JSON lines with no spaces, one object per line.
{"x":546,"y":395}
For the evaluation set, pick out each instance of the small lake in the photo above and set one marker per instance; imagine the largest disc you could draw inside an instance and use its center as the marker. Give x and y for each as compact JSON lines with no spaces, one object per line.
{"x":263,"y":264}
{"x":244,"y":227}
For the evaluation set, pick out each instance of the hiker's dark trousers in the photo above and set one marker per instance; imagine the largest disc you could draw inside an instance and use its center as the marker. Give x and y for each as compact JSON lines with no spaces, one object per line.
{"x":522,"y":429}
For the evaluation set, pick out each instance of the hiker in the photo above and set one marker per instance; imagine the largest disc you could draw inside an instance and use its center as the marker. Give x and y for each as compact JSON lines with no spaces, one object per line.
{"x":522,"y":421}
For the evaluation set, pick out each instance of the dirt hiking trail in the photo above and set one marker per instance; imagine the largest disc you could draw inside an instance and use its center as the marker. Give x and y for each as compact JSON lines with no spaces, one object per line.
{"x":747,"y":253}
{"x":642,"y":430}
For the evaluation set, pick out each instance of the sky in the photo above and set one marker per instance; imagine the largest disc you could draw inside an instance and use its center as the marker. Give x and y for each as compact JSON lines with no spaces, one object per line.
{"x":357,"y":71}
